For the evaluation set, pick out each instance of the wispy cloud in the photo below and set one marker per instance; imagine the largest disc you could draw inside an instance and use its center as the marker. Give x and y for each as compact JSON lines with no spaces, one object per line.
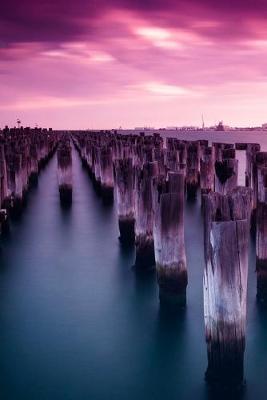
{"x":174,"y":59}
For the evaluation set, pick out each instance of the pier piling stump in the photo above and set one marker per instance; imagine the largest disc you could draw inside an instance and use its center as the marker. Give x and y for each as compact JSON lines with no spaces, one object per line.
{"x":169,"y":242}
{"x":225,"y":286}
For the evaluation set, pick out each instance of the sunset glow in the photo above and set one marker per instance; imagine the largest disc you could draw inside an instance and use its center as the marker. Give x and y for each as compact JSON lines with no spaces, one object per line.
{"x":135,"y":63}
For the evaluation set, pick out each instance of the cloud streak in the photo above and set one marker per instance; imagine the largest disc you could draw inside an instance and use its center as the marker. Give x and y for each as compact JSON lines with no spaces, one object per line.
{"x":94,"y":55}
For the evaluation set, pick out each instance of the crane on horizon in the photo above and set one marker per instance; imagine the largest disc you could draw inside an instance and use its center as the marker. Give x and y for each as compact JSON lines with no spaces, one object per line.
{"x":203,"y":124}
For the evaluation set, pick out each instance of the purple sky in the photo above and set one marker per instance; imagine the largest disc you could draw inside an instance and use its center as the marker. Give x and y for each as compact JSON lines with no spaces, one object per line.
{"x":105,"y":64}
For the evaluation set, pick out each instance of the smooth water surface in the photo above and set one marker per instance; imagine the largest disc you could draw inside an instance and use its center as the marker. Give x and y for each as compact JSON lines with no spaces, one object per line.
{"x":77,"y":322}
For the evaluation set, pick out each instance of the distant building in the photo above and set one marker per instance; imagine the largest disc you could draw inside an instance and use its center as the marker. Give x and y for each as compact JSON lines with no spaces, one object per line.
{"x":220,"y":126}
{"x":144,"y":128}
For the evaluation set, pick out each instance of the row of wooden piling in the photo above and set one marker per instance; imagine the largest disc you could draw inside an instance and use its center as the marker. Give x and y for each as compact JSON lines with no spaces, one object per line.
{"x":64,"y":162}
{"x":151,"y":181}
{"x":23,"y":153}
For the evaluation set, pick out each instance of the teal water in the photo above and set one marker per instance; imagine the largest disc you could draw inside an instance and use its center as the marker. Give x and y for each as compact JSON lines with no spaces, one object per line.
{"x":77,"y":322}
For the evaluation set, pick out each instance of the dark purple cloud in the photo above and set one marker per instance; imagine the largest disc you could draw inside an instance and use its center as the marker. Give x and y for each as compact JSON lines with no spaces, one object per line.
{"x":154,"y":59}
{"x":59,"y":21}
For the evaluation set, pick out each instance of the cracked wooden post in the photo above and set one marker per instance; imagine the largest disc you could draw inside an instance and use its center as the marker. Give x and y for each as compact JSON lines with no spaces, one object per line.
{"x":96,"y":168}
{"x":203,"y":145}
{"x":89,"y":157}
{"x":172,"y":161}
{"x":4,"y":223}
{"x":33,"y":165}
{"x":64,"y":159}
{"x":106,"y":173}
{"x":124,"y":183}
{"x":3,"y":178}
{"x":159,"y":157}
{"x":259,"y":160}
{"x":192,"y":169}
{"x":18,"y":192}
{"x":251,"y":151}
{"x":226,"y":174}
{"x":225,"y":284}
{"x":144,"y":243}
{"x":261,"y":236}
{"x":218,"y":149}
{"x":169,"y":241}
{"x":207,"y":171}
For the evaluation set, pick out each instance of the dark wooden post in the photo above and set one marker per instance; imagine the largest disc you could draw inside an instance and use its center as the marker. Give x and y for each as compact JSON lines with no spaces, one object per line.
{"x":18,"y":192}
{"x":261,"y":236}
{"x":96,"y":168}
{"x":3,"y":178}
{"x":33,"y":173}
{"x":144,"y":244}
{"x":124,"y":183}
{"x":207,"y":171}
{"x":225,"y":285}
{"x":106,"y":173}
{"x":64,"y":159}
{"x":226,"y":173}
{"x":169,"y":241}
{"x":192,"y":169}
{"x":251,"y":151}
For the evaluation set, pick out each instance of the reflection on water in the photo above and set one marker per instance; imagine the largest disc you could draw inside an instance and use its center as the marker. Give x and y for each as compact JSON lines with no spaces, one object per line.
{"x":77,"y":321}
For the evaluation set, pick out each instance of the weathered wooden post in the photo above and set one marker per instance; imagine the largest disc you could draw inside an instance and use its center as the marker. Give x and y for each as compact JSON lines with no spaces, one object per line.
{"x":106,"y":173}
{"x":3,"y":192}
{"x":33,"y":176}
{"x":96,"y":169}
{"x":124,"y":183}
{"x":226,"y":174}
{"x":225,"y":285}
{"x":144,"y":243}
{"x":217,"y":149}
{"x":172,"y":161}
{"x":192,"y":169}
{"x":241,"y":146}
{"x":3,"y":177}
{"x":24,"y":173}
{"x":207,"y":171}
{"x":64,"y":159}
{"x":18,"y":192}
{"x":251,"y":151}
{"x":169,"y":241}
{"x":257,"y":160}
{"x":261,"y":236}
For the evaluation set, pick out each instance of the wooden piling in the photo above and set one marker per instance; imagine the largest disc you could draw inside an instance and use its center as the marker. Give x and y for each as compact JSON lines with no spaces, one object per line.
{"x":144,"y":243}
{"x":124,"y":183}
{"x":192,"y":169}
{"x":251,"y":151}
{"x":106,"y":173}
{"x":169,"y":241}
{"x":261,"y":236}
{"x":226,"y":174}
{"x":64,"y":159}
{"x":225,"y":285}
{"x":207,"y":171}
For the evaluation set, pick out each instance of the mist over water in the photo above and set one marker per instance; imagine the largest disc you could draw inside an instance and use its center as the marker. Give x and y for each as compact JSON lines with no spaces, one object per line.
{"x":78,"y":322}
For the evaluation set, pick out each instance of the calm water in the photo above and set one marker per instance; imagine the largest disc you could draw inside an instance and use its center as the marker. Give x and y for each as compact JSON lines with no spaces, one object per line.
{"x":76,"y":322}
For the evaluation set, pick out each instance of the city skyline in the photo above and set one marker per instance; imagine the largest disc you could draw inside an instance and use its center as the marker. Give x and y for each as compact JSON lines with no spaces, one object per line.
{"x":132,"y":63}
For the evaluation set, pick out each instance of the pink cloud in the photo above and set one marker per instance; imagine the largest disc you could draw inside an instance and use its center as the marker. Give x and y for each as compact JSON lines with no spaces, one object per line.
{"x":132,"y":62}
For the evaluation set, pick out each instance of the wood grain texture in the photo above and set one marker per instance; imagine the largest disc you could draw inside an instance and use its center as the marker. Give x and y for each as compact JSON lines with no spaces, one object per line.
{"x":225,"y":283}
